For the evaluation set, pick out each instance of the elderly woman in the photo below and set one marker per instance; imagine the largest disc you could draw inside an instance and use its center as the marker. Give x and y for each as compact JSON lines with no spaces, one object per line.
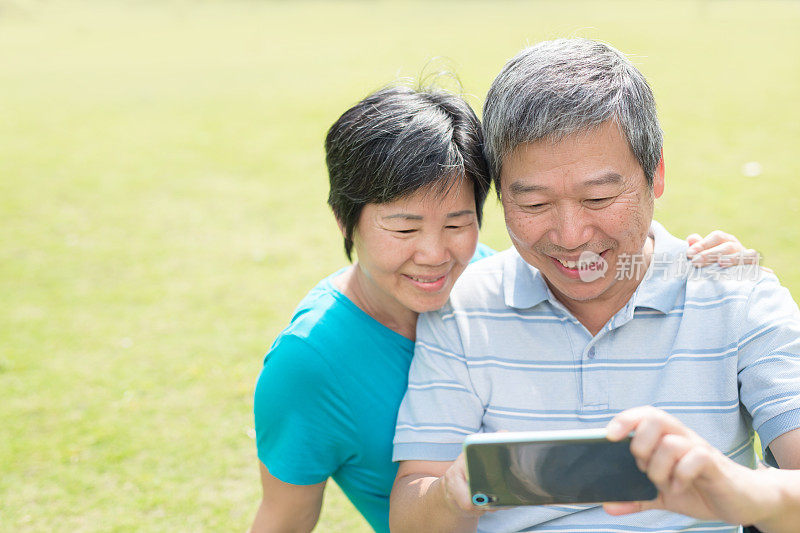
{"x":407,"y":184}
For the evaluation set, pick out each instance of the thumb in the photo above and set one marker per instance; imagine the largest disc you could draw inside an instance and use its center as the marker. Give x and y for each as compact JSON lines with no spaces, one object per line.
{"x":621,"y":508}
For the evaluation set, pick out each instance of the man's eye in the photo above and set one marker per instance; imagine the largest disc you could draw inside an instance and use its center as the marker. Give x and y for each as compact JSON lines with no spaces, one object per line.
{"x":534,"y":207}
{"x":599,"y":202}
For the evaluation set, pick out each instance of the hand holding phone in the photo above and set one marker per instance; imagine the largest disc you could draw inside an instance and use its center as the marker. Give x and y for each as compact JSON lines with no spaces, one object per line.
{"x":696,"y":479}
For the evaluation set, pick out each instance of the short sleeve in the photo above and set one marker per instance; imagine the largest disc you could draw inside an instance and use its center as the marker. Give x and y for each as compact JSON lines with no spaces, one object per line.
{"x":440,"y":407}
{"x":769,"y":360}
{"x":303,"y":424}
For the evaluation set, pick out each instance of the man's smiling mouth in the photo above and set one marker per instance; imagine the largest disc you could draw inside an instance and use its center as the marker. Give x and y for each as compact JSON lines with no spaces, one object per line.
{"x":586,"y":260}
{"x":426,"y":279}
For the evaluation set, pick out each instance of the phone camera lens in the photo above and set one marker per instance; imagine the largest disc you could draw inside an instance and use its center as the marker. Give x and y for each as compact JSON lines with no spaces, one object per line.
{"x":480,"y":499}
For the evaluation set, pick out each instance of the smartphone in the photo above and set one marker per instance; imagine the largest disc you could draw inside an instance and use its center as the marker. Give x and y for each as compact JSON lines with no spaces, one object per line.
{"x":551,"y":467}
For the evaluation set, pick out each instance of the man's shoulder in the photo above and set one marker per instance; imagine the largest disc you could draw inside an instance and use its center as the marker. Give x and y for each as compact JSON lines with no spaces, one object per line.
{"x":738,"y":299}
{"x":710,"y":286}
{"x":730,"y":284}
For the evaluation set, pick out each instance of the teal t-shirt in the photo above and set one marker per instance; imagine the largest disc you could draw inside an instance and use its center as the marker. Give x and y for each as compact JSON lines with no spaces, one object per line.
{"x":327,"y":398}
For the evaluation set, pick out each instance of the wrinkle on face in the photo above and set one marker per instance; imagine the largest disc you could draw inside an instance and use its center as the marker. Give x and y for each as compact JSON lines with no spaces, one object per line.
{"x":400,"y":243}
{"x":548,"y":193}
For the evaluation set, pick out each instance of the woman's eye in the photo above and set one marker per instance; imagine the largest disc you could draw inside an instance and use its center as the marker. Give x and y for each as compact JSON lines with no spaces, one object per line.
{"x":405,"y":231}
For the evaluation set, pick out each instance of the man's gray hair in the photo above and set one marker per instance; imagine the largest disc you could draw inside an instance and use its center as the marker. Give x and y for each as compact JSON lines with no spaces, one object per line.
{"x":557,"y":88}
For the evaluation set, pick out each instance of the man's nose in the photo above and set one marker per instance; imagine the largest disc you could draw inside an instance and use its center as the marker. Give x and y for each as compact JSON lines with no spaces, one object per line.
{"x":432,"y":250}
{"x":573,"y":230}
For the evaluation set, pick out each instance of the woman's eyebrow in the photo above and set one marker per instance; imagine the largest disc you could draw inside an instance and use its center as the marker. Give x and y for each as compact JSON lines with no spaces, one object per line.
{"x":461,"y":213}
{"x":405,"y":216}
{"x":409,"y":216}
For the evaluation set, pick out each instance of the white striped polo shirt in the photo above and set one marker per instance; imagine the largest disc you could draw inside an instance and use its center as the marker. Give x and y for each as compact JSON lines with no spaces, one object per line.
{"x":719,"y":350}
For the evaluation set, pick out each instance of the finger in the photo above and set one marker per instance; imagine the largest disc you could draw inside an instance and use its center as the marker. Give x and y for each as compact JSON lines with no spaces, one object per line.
{"x":626,"y":422}
{"x":714,"y":238}
{"x":697,"y":462}
{"x":654,"y":424}
{"x":751,"y":257}
{"x":746,"y":257}
{"x":670,"y":449}
{"x":693,"y":238}
{"x":629,"y":420}
{"x":461,"y":491}
{"x":456,"y":485}
{"x":620,"y":508}
{"x":671,"y":424}
{"x":713,"y":254}
{"x":644,"y":442}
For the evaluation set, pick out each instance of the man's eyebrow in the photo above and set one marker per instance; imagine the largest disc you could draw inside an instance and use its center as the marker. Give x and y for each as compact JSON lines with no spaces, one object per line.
{"x":612,"y":178}
{"x":521,"y":188}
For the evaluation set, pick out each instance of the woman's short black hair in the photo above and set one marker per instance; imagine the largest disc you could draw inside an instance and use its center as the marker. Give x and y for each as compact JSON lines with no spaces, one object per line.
{"x":398,"y":141}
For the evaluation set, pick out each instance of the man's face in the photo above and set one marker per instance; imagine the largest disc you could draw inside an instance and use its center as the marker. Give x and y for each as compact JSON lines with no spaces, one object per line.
{"x":586,"y":193}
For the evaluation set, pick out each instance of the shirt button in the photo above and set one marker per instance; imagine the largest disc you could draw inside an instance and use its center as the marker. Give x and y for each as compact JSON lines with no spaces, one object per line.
{"x":591,"y":353}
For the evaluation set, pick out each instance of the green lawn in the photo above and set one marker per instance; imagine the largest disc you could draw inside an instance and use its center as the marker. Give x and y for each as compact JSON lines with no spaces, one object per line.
{"x":162,"y":209}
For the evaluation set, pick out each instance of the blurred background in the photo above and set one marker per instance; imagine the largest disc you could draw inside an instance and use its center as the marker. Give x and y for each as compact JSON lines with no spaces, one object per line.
{"x":162,"y":210}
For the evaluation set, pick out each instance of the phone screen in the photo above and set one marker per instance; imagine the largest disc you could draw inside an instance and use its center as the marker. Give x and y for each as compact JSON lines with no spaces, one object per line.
{"x":548,"y":472}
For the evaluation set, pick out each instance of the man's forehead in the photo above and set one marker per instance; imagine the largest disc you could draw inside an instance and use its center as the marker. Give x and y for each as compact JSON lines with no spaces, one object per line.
{"x":590,"y":158}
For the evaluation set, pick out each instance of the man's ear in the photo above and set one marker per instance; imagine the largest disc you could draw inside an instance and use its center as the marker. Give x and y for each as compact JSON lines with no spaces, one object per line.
{"x":658,"y":177}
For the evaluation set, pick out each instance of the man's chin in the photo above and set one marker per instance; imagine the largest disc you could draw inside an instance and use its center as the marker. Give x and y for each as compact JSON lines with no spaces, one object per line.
{"x":579,"y":291}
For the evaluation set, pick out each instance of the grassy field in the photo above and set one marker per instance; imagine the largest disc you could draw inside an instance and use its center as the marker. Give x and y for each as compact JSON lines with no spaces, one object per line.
{"x":162,"y":209}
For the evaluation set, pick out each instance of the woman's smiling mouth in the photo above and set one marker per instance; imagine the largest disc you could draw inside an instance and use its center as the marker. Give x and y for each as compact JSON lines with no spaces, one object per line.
{"x":428,"y":283}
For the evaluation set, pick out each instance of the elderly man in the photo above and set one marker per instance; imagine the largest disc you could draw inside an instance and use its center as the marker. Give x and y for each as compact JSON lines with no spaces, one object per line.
{"x":591,"y":313}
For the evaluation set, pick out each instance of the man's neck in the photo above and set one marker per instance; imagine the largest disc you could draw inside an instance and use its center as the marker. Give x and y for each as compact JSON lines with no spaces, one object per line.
{"x":595,"y":313}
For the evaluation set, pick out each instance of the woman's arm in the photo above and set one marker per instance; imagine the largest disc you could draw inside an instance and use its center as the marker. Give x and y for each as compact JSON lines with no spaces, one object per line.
{"x":287,"y":508}
{"x":301,"y":422}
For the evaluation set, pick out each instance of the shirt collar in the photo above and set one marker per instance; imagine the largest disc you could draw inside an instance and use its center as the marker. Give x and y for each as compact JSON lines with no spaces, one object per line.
{"x":524,"y":286}
{"x":666,"y":276}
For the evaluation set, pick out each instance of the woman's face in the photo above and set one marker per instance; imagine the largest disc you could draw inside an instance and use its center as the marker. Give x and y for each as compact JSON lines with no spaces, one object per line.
{"x":411,"y":251}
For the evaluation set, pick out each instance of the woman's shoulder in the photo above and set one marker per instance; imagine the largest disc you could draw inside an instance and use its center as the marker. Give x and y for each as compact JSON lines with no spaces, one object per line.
{"x":324,"y":300}
{"x":314,"y":333}
{"x":481,"y":252}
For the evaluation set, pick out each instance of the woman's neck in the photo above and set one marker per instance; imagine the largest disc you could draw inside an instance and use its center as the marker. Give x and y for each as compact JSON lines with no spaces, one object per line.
{"x":376,"y":303}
